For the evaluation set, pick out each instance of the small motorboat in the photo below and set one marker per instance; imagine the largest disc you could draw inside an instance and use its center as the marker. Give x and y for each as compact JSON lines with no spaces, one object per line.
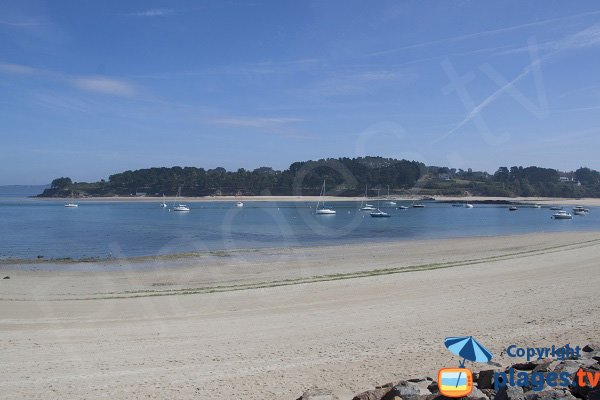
{"x":562,"y":215}
{"x":379,"y":214}
{"x":368,"y":207}
{"x":418,"y":205}
{"x":467,"y":205}
{"x":513,"y":208}
{"x":71,"y":205}
{"x":325,"y":211}
{"x":537,"y":206}
{"x":402,"y":208}
{"x":580,"y":212}
{"x":391,"y":203}
{"x":180,"y":207}
{"x":581,"y":208}
{"x":239,"y":204}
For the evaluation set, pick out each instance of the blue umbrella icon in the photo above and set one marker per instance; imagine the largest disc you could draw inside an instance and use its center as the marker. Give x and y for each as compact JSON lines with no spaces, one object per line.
{"x":469,"y":349}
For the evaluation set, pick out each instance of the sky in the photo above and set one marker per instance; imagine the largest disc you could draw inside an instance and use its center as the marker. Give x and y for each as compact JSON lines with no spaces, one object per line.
{"x":90,"y":88}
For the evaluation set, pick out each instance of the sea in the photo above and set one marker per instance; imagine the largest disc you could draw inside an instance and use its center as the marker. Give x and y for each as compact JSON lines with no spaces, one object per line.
{"x":32,"y":228}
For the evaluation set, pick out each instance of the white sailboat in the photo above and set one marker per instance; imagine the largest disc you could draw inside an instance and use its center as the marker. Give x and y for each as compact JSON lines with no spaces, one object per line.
{"x":323,"y":210}
{"x":239,"y":204}
{"x":378,"y":213}
{"x":390,"y":202}
{"x":367,"y":206}
{"x":164,"y":204}
{"x":180,"y":207}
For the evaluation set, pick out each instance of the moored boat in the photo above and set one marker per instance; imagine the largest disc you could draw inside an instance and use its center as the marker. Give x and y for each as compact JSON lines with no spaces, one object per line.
{"x":562,"y":215}
{"x":180,"y":207}
{"x":323,"y":210}
{"x":379,"y":214}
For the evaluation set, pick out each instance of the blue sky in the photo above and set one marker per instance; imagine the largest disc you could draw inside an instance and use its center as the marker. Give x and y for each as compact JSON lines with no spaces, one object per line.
{"x":92,"y":88}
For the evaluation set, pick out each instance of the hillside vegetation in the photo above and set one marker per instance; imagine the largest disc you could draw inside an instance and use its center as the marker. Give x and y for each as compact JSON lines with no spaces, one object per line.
{"x":344,"y":177}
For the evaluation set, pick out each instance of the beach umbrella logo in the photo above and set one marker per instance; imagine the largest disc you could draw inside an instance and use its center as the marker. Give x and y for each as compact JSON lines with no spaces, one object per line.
{"x":458,"y":382}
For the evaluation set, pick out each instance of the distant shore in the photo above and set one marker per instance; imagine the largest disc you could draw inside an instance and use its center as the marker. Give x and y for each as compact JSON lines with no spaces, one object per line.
{"x":545,"y":201}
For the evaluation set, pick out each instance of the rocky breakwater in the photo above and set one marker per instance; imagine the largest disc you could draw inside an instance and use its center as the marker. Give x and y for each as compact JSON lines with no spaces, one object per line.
{"x":487,"y":384}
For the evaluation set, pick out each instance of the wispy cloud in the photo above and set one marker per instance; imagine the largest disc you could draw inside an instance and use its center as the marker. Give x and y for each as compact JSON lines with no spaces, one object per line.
{"x":275,"y":125}
{"x":588,"y":37}
{"x":475,"y":35}
{"x":20,"y":24}
{"x":104,"y":85}
{"x":97,"y":84}
{"x":256,"y":122}
{"x":344,"y":83}
{"x":154,"y":12}
{"x":17,"y":69}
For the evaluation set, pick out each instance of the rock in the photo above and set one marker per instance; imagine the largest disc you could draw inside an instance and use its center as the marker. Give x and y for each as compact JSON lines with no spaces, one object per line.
{"x":591,"y":354}
{"x":594,"y":395}
{"x":569,"y":366}
{"x":376,"y":394}
{"x":586,"y":362}
{"x":510,"y":393}
{"x":477,"y":394}
{"x":591,"y":347}
{"x":406,"y":390}
{"x":318,"y":394}
{"x":543,"y":366}
{"x":417,"y":380}
{"x":525,"y":366}
{"x":388,"y":385}
{"x":555,"y":394}
{"x":6,"y":277}
{"x":433,"y":387}
{"x":486,"y":379}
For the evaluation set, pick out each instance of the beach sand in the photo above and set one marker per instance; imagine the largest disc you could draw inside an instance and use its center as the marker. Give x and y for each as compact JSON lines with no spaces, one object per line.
{"x":268,"y":324}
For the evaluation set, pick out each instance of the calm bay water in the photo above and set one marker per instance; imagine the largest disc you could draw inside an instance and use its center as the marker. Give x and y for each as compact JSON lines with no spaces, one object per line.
{"x":29,"y":228}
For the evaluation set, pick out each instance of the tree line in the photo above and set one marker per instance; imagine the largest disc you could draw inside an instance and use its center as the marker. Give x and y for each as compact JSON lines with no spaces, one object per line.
{"x":343,"y":177}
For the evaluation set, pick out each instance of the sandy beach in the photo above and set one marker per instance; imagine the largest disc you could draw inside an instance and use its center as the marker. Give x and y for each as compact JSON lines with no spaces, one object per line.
{"x":545,"y":201}
{"x":268,"y":324}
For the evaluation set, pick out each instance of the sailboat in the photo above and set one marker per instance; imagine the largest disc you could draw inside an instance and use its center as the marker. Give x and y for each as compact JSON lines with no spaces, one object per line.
{"x":378,"y":213}
{"x":366,"y":207}
{"x":180,"y":207}
{"x":163,"y":205}
{"x":390,"y":202}
{"x":323,"y":210}
{"x":72,"y":204}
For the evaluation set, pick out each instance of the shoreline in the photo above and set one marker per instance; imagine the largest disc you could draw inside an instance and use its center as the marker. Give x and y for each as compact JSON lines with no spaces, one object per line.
{"x":274,"y":323}
{"x":122,"y":199}
{"x":139,"y":261}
